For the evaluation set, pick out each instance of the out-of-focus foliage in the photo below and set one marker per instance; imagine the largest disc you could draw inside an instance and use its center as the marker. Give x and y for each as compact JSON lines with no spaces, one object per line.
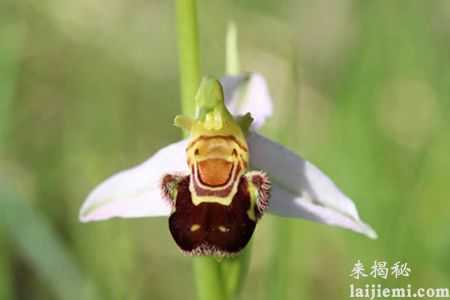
{"x":90,"y":87}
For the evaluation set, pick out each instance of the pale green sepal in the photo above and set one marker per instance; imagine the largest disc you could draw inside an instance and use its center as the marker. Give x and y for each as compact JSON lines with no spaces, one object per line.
{"x":183,"y":122}
{"x":245,"y":122}
{"x":209,"y":99}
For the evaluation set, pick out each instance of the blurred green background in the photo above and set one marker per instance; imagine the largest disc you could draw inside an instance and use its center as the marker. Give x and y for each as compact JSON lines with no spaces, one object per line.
{"x":87,"y":88}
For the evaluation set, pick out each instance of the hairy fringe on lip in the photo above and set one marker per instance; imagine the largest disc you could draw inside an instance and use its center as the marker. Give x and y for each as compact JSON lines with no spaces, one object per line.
{"x":168,"y":185}
{"x":262,"y":182}
{"x":206,"y":249}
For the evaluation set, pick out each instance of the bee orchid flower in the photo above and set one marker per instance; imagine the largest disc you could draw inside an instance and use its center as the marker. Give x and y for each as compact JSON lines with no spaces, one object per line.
{"x":216,"y":184}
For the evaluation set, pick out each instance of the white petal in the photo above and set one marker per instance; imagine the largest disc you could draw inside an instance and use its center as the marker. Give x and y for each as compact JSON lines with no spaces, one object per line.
{"x":248,"y":93}
{"x":301,"y":190}
{"x":136,"y":192}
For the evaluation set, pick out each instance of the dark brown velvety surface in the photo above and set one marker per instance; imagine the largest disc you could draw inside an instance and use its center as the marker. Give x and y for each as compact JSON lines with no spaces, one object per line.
{"x":221,"y":229}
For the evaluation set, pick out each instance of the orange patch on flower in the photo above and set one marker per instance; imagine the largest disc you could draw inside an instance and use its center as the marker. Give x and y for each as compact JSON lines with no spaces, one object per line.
{"x":215,"y":172}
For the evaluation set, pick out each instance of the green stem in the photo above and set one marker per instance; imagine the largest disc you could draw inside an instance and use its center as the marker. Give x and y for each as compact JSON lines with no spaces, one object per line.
{"x":279,"y":263}
{"x":10,"y":59}
{"x":207,"y":269}
{"x":232,"y":54}
{"x":208,"y":278}
{"x":189,"y":54}
{"x":234,"y":270}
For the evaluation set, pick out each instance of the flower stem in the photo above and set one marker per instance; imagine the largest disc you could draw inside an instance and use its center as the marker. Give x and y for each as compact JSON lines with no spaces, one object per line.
{"x":232,"y":54}
{"x":10,"y":59}
{"x":207,"y":269}
{"x":234,"y":269}
{"x":208,"y":278}
{"x":279,"y":264}
{"x":188,"y":52}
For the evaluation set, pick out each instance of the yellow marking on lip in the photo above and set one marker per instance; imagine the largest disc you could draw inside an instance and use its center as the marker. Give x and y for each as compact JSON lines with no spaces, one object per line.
{"x":253,"y":194}
{"x":195,"y":227}
{"x":225,"y":201}
{"x":224,"y":229}
{"x":224,"y":137}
